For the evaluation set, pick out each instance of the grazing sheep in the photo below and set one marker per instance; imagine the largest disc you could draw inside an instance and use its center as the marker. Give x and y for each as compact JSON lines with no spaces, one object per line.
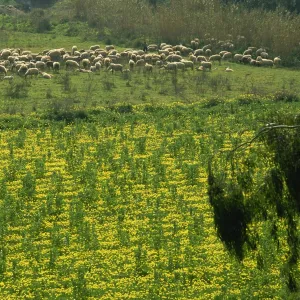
{"x":267,"y":62}
{"x":238,"y":57}
{"x":131,"y":64}
{"x":3,"y":70}
{"x":115,"y":67}
{"x":22,"y":69}
{"x":198,"y":52}
{"x":49,"y":64}
{"x":98,"y":66}
{"x":215,"y":57}
{"x":32,"y":71}
{"x":74,"y":48}
{"x":206,"y":65}
{"x":148,"y":68}
{"x":201,"y":58}
{"x":106,"y":61}
{"x":95,"y":47}
{"x":259,"y":51}
{"x":40,"y":65}
{"x":208,"y":52}
{"x":227,"y":56}
{"x":140,"y":63}
{"x":56,"y":66}
{"x":86,"y":63}
{"x":180,"y":66}
{"x":246,"y":59}
{"x":109,"y":47}
{"x":188,"y":64}
{"x":171,"y":66}
{"x":5,"y":53}
{"x":72,"y":64}
{"x":247,"y":52}
{"x":55,"y":55}
{"x":277,"y":61}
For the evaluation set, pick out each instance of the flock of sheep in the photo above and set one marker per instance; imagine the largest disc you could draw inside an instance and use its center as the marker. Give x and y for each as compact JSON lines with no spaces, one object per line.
{"x":95,"y":59}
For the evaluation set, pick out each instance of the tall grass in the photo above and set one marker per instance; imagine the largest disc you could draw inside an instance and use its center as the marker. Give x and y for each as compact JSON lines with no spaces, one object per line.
{"x":179,"y":21}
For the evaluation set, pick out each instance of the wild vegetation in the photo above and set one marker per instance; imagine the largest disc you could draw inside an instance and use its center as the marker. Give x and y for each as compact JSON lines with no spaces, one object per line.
{"x":150,"y":185}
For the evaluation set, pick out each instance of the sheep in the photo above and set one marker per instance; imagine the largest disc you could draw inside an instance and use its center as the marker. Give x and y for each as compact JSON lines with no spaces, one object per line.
{"x":106,"y":61}
{"x":208,"y":52}
{"x":84,"y":55}
{"x":74,"y":48}
{"x":206,"y":47}
{"x":109,"y":47}
{"x":228,"y":70}
{"x":246,"y":59}
{"x":206,"y":65}
{"x":71,"y":64}
{"x":55,"y":55}
{"x":227,"y":56}
{"x":115,"y":67}
{"x":95,"y":47}
{"x":148,"y":68}
{"x":201,"y":58}
{"x":131,"y":64}
{"x":98,"y":66}
{"x":198,"y":52}
{"x":238,"y":57}
{"x":188,"y":64}
{"x":40,"y":65}
{"x":11,"y":77}
{"x":22,"y":69}
{"x":259,"y":51}
{"x":267,"y":62}
{"x":247,"y":52}
{"x":140,"y":63}
{"x":3,"y":70}
{"x":46,"y":75}
{"x":180,"y":66}
{"x":215,"y":57}
{"x":86,"y":63}
{"x":56,"y":66}
{"x":49,"y":64}
{"x":32,"y":71}
{"x":277,"y":61}
{"x":5,"y":53}
{"x":171,"y":66}
{"x":264,"y":54}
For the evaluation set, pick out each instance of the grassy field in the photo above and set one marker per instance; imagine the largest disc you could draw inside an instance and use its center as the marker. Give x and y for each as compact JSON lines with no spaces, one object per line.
{"x":104,"y":182}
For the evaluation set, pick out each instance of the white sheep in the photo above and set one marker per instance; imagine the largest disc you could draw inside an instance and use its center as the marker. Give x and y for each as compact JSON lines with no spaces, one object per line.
{"x":148,"y":68}
{"x":40,"y":65}
{"x":227,"y":56}
{"x":201,"y":58}
{"x":22,"y":69}
{"x":277,"y":61}
{"x":56,"y":66}
{"x":238,"y":57}
{"x":267,"y":62}
{"x":198,"y":52}
{"x":171,"y":66}
{"x":109,"y":47}
{"x":131,"y":64}
{"x":180,"y":65}
{"x":74,"y":48}
{"x":188,"y":64}
{"x":140,"y":63}
{"x":71,"y":64}
{"x":86,"y":63}
{"x":46,"y":75}
{"x":228,"y":70}
{"x":3,"y":70}
{"x":32,"y":71}
{"x":115,"y":67}
{"x":215,"y":57}
{"x":206,"y":65}
{"x":264,"y":54}
{"x":95,"y":47}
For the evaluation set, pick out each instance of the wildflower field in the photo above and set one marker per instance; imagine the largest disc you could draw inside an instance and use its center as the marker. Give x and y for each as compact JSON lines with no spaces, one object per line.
{"x":115,"y":206}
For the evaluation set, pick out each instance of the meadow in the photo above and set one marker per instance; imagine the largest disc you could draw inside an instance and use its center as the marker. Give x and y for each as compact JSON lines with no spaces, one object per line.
{"x":104,"y":182}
